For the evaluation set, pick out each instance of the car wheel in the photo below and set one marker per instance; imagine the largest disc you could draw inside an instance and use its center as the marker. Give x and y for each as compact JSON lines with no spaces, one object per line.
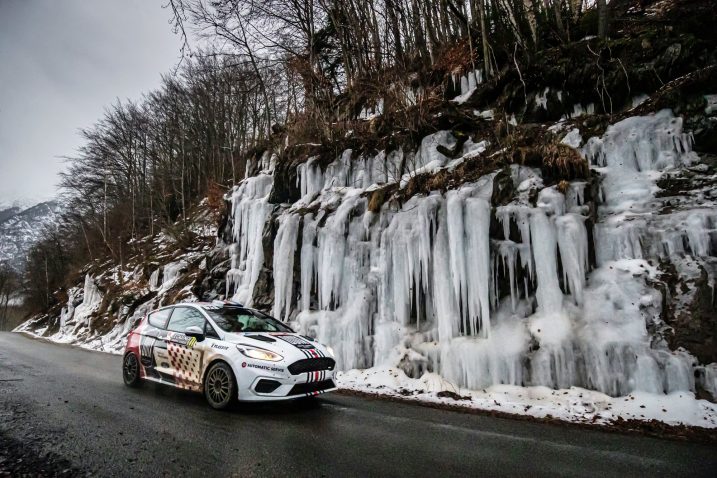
{"x":220,"y":386}
{"x":130,"y":370}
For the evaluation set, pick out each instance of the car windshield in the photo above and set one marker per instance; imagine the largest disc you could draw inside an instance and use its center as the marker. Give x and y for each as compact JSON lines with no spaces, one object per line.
{"x":235,"y":319}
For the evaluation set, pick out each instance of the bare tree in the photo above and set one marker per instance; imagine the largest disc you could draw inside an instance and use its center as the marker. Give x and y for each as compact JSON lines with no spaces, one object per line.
{"x":9,"y":288}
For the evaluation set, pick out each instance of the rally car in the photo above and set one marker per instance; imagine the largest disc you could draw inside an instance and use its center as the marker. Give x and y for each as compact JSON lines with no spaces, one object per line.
{"x":228,"y":352}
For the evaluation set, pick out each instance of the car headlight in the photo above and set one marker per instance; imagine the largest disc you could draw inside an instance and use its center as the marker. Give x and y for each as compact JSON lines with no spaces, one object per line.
{"x":331,"y":351}
{"x":259,"y":354}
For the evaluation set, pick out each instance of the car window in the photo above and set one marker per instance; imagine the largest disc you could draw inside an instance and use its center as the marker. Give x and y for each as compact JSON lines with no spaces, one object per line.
{"x":235,"y":319}
{"x":184,"y":317}
{"x":159,"y":318}
{"x":210,"y":332}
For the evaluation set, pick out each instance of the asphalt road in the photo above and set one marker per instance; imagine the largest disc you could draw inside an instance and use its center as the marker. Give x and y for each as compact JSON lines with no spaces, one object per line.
{"x":71,"y":405}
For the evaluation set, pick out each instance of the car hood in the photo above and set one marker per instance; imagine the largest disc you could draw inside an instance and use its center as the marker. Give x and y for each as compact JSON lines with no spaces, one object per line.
{"x":291,"y":346}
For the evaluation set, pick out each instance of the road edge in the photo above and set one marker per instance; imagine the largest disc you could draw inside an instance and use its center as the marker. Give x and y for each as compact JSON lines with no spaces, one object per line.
{"x":651,"y":428}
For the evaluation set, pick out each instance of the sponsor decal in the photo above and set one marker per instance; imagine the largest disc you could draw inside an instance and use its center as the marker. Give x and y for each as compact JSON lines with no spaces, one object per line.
{"x":220,"y":347}
{"x":298,"y":342}
{"x":178,"y":337}
{"x":263,"y":367}
{"x":243,"y":365}
{"x":192,"y":342}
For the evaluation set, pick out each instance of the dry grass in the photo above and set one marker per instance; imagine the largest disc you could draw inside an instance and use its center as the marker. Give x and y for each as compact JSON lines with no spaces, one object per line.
{"x":563,"y":186}
{"x":563,"y":161}
{"x":376,"y":199}
{"x":455,"y":58}
{"x":438,"y":181}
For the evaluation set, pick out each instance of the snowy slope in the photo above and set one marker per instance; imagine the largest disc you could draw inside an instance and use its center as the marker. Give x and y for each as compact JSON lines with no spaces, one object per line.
{"x":101,"y":308}
{"x":21,"y":227}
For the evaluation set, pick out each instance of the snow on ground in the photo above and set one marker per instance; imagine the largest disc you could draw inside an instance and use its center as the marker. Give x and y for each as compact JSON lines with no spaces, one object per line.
{"x":572,"y":405}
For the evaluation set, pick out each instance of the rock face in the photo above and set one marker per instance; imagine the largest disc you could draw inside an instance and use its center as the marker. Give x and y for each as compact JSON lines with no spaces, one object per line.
{"x":20,"y":228}
{"x":515,"y":276}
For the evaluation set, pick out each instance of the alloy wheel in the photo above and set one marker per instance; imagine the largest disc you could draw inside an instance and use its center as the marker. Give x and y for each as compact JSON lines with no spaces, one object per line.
{"x":130,"y":368}
{"x":218,"y":385}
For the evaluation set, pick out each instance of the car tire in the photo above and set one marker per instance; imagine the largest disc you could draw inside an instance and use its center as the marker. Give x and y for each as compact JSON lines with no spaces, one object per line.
{"x":130,"y":370}
{"x":220,"y":386}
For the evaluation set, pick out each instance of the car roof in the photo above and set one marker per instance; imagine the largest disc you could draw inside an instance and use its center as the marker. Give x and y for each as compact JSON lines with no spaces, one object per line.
{"x":216,"y":303}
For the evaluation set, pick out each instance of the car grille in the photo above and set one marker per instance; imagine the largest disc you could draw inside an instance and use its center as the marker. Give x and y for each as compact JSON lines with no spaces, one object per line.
{"x":312,"y":365}
{"x":304,"y":388}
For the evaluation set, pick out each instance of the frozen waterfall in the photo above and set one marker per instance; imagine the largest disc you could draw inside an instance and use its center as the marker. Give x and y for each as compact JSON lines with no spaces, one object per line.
{"x":430,"y":286}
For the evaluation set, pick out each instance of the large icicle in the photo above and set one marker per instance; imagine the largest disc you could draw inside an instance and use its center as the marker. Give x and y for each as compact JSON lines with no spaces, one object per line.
{"x":573,"y":244}
{"x":250,"y":211}
{"x":284,"y":248}
{"x":308,"y":261}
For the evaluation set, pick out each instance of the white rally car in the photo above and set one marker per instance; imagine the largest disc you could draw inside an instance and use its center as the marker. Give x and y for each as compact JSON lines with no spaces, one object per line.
{"x":229,"y":352}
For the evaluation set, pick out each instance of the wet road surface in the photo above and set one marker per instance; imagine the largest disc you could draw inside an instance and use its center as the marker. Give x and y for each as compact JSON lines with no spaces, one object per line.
{"x":70,"y":404}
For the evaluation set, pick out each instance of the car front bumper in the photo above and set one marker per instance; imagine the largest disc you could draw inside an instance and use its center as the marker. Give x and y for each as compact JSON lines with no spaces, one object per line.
{"x":269,"y":382}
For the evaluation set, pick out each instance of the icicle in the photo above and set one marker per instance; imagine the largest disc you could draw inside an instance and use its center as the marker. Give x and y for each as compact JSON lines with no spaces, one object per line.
{"x":308,"y":261}
{"x":456,"y":237}
{"x":573,"y":244}
{"x":698,"y":229}
{"x":447,"y":312}
{"x":508,"y":251}
{"x":284,"y":248}
{"x":477,"y":215}
{"x":250,"y":211}
{"x":544,"y":243}
{"x":154,"y":279}
{"x":331,"y":253}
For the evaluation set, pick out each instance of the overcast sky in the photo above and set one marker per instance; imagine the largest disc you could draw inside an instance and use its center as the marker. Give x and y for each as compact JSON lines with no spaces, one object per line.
{"x":61,"y":63}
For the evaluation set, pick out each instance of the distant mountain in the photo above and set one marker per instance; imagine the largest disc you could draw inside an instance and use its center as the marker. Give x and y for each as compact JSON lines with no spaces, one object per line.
{"x":20,"y":228}
{"x":8,"y":213}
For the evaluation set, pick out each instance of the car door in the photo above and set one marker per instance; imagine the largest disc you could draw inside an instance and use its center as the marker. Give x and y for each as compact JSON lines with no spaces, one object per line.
{"x":152,"y":345}
{"x":186,"y":354}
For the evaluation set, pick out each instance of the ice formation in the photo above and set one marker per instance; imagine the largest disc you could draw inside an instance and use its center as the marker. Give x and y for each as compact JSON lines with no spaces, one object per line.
{"x":467,"y":83}
{"x":91,"y":298}
{"x":426,"y":285}
{"x":250,"y":211}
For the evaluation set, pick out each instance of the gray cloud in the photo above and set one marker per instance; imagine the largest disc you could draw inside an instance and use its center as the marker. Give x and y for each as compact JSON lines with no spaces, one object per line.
{"x":61,"y":64}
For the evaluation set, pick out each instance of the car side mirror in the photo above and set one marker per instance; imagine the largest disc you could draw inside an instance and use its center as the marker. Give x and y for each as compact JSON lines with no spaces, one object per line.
{"x":195,"y":332}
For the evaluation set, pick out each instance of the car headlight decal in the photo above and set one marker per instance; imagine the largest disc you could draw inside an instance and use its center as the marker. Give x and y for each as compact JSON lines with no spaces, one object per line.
{"x":259,"y":354}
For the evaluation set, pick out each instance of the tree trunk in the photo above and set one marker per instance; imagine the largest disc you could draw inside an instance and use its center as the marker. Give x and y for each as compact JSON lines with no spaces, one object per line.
{"x":603,"y":18}
{"x":484,"y":40}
